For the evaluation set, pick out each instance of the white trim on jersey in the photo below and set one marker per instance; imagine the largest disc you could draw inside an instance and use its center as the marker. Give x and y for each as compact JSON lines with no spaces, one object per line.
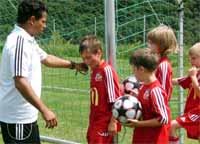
{"x":194,"y":117}
{"x":19,"y":56}
{"x":161,"y":105}
{"x":110,"y":84}
{"x":164,"y":70}
{"x":103,"y":134}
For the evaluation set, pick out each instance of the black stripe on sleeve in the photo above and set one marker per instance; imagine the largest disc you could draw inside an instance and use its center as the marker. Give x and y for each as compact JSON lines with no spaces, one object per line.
{"x":18,"y":56}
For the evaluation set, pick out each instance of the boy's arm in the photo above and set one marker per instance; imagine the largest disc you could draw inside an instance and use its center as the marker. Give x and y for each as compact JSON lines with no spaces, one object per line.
{"x":192,"y":73}
{"x":111,"y":81}
{"x":145,"y":123}
{"x":175,"y":81}
{"x":163,"y":75}
{"x":196,"y":85}
{"x":159,"y":109}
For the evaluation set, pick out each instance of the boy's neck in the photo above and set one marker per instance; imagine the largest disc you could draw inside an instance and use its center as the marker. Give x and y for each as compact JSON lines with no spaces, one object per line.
{"x":149,"y":78}
{"x":98,"y":64}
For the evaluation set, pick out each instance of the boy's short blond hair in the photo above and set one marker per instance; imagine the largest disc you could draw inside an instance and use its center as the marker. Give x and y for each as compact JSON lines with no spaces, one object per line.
{"x":164,"y":37}
{"x":90,"y":43}
{"x":195,"y":49}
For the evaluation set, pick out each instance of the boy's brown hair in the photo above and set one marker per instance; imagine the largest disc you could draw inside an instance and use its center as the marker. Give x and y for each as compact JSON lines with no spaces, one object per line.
{"x":144,"y":57}
{"x":195,"y":49}
{"x":90,"y":43}
{"x":164,"y":37}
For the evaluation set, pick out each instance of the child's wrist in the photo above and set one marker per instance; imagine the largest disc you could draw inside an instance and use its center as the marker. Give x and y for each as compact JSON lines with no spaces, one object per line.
{"x":193,"y":76}
{"x":113,"y":120}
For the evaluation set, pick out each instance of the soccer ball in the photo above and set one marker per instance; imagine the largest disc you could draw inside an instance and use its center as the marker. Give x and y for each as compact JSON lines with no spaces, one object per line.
{"x":127,"y":107}
{"x":130,"y":83}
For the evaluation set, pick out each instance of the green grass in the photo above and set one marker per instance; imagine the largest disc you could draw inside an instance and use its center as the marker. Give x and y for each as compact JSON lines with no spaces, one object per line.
{"x":72,"y":105}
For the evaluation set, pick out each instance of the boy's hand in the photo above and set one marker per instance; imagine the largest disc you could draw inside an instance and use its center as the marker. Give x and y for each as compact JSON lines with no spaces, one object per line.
{"x":134,"y":92}
{"x":112,"y":127}
{"x":192,"y":71}
{"x":131,"y":123}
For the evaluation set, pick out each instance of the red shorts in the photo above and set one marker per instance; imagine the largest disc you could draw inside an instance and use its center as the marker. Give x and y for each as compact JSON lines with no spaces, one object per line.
{"x":95,"y":136}
{"x":191,"y":122}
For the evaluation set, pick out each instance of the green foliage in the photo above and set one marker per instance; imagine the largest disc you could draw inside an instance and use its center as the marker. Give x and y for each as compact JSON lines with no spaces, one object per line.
{"x":124,"y":50}
{"x":192,"y":21}
{"x":4,"y":30}
{"x":59,"y":46}
{"x":74,"y":19}
{"x":131,"y":15}
{"x":1,"y":46}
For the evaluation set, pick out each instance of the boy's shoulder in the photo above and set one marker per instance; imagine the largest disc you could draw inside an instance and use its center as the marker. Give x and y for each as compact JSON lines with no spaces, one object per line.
{"x":165,"y":60}
{"x":152,"y":93}
{"x":105,"y":66}
{"x":154,"y":87}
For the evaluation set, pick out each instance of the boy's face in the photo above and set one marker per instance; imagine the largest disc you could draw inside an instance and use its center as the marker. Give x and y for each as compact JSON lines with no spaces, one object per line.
{"x":194,"y":60}
{"x":137,"y":72}
{"x":153,"y":46}
{"x":91,"y":59}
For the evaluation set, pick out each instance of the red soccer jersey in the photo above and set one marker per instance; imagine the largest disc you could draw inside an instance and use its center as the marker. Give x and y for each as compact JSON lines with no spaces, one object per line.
{"x":193,"y":100}
{"x":104,"y":90}
{"x":154,"y":105}
{"x":164,"y":75}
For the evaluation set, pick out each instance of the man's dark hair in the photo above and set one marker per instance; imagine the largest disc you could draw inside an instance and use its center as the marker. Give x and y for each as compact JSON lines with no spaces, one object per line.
{"x":144,"y":58}
{"x":90,"y":43}
{"x":28,"y":8}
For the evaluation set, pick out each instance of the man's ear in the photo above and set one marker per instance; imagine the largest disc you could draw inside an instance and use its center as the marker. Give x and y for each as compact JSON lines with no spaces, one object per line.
{"x":31,"y":20}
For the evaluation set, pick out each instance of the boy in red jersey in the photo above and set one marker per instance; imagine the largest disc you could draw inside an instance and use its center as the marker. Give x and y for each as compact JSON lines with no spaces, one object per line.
{"x":190,"y":120}
{"x":154,"y":126}
{"x":104,"y":89}
{"x":162,"y":40}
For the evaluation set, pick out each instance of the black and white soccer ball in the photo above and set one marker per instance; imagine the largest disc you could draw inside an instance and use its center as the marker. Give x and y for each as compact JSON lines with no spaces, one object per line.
{"x":130,"y":83}
{"x":127,"y":107}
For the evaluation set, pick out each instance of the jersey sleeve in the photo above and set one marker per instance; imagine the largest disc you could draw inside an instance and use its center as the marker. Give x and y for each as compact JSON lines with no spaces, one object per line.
{"x":184,"y":82}
{"x":42,"y":54}
{"x":19,"y":58}
{"x":158,"y":105}
{"x":112,"y":85}
{"x":163,"y":74}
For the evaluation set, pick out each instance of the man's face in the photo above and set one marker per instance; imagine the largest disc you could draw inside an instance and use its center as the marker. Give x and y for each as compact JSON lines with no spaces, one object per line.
{"x":40,"y":24}
{"x":91,"y":59}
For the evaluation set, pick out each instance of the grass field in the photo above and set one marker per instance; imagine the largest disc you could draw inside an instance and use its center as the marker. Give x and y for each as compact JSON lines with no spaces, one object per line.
{"x":68,"y":96}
